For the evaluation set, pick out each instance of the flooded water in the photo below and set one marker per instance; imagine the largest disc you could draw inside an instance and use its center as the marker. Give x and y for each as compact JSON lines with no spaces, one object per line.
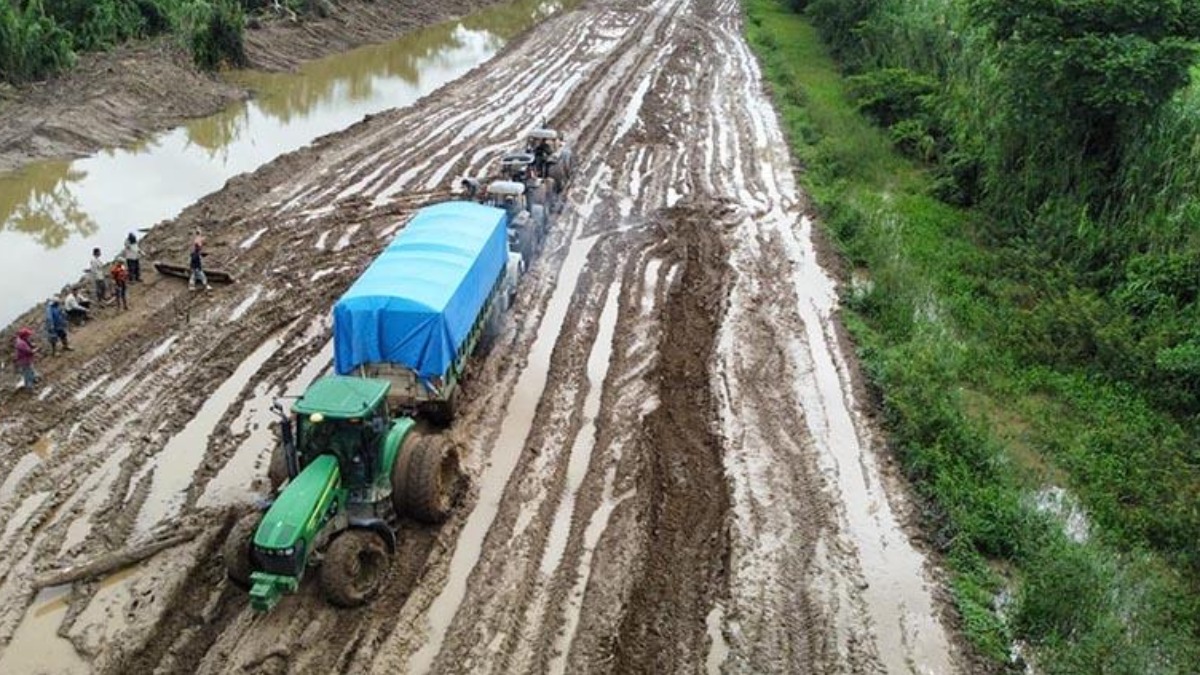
{"x":234,"y":483}
{"x":174,"y":465}
{"x":46,"y":651}
{"x":53,"y":213}
{"x":585,"y":439}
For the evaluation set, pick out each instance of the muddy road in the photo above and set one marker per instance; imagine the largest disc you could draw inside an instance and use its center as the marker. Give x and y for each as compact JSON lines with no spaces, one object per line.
{"x":670,"y":469}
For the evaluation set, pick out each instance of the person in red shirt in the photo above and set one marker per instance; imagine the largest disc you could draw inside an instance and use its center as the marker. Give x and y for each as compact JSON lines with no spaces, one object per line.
{"x":26,"y":353}
{"x":120,"y":277}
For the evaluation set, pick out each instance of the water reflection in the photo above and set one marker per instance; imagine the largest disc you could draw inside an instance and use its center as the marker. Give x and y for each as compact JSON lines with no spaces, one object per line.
{"x":53,"y":213}
{"x":38,"y":202}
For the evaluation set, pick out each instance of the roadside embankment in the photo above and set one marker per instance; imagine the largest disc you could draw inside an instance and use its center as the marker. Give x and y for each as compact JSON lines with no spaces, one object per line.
{"x":119,"y":97}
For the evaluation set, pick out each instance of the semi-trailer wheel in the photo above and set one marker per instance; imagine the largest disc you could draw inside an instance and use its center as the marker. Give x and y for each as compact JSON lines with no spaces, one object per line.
{"x":354,"y":567}
{"x":236,"y":549}
{"x":426,"y":479}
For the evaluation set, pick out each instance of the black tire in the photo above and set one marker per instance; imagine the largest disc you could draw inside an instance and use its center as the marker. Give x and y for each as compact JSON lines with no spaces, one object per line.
{"x":277,"y":472}
{"x":441,"y":414}
{"x":354,"y":567}
{"x":426,"y":479}
{"x":560,"y":174}
{"x":236,"y":549}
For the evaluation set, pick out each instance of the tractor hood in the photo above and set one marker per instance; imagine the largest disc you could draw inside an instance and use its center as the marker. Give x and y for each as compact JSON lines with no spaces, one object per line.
{"x":298,"y":511}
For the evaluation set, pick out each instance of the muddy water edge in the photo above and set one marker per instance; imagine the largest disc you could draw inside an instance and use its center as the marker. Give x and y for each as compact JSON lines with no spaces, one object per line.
{"x":52,"y":213}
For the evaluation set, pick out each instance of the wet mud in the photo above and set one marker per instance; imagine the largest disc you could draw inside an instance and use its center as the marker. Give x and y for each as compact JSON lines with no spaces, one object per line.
{"x":669,"y":468}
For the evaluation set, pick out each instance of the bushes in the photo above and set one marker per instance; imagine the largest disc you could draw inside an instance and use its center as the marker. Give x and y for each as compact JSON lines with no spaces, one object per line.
{"x":215,"y":30}
{"x":41,"y":37}
{"x":32,"y":45}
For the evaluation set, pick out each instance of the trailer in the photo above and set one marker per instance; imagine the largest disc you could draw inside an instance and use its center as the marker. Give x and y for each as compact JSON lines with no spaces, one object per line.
{"x":419,"y":310}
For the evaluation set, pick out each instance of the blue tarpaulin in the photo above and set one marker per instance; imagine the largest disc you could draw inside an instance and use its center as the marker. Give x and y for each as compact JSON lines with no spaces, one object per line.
{"x":415,"y":304}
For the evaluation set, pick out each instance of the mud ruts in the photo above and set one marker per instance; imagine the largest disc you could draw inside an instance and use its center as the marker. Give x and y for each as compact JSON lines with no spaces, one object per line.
{"x":751,"y":494}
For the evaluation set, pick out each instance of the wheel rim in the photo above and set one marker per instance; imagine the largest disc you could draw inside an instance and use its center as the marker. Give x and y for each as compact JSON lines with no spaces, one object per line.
{"x":365,"y":570}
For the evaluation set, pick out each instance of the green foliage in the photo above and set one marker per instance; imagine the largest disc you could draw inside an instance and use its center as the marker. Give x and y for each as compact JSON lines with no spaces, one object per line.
{"x":41,"y":37}
{"x":32,"y":45}
{"x":216,"y":33}
{"x":1012,"y":354}
{"x":840,"y":21}
{"x":1080,"y":80}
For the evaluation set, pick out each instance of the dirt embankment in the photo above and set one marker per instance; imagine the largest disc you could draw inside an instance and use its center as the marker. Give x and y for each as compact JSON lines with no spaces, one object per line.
{"x":119,"y":97}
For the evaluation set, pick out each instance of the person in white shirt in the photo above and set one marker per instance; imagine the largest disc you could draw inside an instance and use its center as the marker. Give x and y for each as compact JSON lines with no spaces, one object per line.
{"x":133,"y":257}
{"x":76,"y":312}
{"x":99,"y":273}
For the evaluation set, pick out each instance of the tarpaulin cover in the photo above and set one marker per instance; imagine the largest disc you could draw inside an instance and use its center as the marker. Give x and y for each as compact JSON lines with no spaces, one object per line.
{"x":415,"y":304}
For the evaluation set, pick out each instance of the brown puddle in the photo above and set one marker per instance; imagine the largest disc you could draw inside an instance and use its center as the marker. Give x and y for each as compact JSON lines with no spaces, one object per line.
{"x":36,"y":646}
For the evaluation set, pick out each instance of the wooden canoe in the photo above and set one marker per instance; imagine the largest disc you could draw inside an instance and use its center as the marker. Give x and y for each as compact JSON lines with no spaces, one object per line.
{"x":184,"y":272}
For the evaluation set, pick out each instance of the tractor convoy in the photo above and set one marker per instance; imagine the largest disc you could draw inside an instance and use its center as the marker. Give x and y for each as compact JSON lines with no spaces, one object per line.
{"x":359,"y":449}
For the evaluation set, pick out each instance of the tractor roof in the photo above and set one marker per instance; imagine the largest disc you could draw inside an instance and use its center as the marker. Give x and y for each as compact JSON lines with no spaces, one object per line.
{"x":517,"y":158}
{"x":341,"y":397}
{"x":505,"y":188}
{"x":548,"y":134}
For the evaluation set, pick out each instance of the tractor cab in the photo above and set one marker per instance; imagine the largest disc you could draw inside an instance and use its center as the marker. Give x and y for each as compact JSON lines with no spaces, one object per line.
{"x":346,"y":417}
{"x":551,"y":156}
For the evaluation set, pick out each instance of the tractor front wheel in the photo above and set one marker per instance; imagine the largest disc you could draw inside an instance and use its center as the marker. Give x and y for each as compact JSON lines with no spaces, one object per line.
{"x":426,"y":479}
{"x":236,"y":550}
{"x":277,"y":471}
{"x":354,"y":567}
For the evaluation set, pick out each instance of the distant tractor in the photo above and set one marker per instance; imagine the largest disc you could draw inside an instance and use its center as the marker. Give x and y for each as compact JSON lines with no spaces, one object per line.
{"x":543,"y":165}
{"x":346,"y":467}
{"x":528,"y":223}
{"x":551,"y":156}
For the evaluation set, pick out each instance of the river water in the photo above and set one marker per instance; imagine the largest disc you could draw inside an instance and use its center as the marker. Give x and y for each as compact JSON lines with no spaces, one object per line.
{"x":53,"y":213}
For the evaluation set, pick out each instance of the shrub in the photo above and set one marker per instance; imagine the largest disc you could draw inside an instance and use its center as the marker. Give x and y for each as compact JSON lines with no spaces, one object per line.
{"x":216,"y":34}
{"x":32,"y":45}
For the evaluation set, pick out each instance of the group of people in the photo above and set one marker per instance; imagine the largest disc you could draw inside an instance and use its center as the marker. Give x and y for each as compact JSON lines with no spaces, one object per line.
{"x":125,"y":269}
{"x":72,"y":306}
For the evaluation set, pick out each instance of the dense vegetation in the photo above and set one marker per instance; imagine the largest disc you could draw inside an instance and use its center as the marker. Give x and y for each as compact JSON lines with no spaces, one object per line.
{"x":1012,"y":181}
{"x":41,"y":37}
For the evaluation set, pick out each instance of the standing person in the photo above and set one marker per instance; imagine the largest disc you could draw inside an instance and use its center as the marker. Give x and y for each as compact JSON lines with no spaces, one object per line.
{"x":56,"y":326}
{"x":133,"y":258}
{"x":98,"y":276}
{"x":120,"y":277}
{"x":197,"y":266}
{"x":25,"y":356}
{"x":76,"y":312}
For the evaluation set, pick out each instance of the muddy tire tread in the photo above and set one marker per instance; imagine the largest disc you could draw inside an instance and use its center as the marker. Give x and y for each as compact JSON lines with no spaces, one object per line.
{"x":417,"y":491}
{"x":236,"y":550}
{"x":339,"y":587}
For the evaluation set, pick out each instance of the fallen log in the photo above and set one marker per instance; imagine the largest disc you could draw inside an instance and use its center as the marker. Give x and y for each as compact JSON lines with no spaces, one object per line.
{"x":185,"y":272}
{"x":114,"y":561}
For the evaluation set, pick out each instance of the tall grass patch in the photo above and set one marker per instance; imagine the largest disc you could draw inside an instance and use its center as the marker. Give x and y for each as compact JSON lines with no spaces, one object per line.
{"x":943,"y":327}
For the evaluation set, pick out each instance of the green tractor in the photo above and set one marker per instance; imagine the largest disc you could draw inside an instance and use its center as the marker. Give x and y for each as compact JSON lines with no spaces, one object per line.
{"x":345,"y":467}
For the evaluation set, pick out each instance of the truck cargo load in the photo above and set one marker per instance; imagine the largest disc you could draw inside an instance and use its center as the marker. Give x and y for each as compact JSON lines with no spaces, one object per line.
{"x":415,"y":306}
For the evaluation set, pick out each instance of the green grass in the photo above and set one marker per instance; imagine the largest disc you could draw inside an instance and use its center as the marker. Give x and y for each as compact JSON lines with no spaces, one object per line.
{"x":978,"y":427}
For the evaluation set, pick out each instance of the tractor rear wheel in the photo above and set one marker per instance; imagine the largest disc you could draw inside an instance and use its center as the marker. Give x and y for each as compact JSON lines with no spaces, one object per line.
{"x":426,"y":479}
{"x":277,"y":471}
{"x":236,"y":550}
{"x":354,"y":567}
